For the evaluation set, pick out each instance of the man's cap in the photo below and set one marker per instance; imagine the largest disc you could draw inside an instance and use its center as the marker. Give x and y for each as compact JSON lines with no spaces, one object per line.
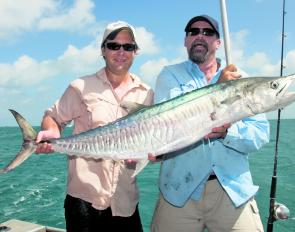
{"x":206,"y":18}
{"x":117,"y":26}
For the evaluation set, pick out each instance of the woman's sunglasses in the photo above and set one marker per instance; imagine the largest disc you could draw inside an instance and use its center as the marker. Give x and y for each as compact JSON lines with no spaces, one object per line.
{"x":128,"y":47}
{"x":204,"y":31}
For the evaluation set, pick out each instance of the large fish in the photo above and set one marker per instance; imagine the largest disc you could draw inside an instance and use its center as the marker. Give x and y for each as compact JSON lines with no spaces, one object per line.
{"x":170,"y":125}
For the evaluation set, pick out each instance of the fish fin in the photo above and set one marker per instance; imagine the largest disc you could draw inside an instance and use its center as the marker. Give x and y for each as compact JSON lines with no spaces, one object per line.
{"x":231,"y":100}
{"x":140,"y":166}
{"x":23,"y":154}
{"x":27,"y":130}
{"x":131,"y":107}
{"x":28,"y":146}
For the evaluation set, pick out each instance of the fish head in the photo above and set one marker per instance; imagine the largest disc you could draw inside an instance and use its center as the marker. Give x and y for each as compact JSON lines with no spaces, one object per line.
{"x":265,"y":94}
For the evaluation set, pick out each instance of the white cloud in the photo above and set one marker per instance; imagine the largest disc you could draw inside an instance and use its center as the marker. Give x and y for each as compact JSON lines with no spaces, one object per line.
{"x":26,"y":71}
{"x":21,"y":16}
{"x":29,"y":15}
{"x":77,"y":18}
{"x":289,"y":62}
{"x":77,"y":62}
{"x":257,"y":60}
{"x":150,"y":69}
{"x":146,"y":41}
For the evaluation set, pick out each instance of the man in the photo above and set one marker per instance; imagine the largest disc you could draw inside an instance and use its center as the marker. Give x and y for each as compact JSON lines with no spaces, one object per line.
{"x":208,"y":185}
{"x":101,"y":194}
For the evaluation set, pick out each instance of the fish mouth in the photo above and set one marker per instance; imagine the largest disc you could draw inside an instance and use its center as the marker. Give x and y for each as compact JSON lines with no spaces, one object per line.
{"x":285,"y":94}
{"x":288,"y":82}
{"x":281,"y":92}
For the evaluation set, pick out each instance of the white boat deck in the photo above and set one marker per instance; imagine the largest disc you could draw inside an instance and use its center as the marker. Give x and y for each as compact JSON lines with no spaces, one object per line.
{"x":15,"y":225}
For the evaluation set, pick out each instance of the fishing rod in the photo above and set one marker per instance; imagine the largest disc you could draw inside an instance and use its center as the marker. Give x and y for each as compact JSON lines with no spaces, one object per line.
{"x":225,"y":32}
{"x":277,"y":211}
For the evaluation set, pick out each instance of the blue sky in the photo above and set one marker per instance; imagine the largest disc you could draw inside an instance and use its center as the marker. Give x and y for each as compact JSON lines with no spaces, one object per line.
{"x":45,"y":44}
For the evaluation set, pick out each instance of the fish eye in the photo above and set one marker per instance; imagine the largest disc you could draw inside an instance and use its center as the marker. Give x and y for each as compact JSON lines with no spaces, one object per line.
{"x":274,"y":85}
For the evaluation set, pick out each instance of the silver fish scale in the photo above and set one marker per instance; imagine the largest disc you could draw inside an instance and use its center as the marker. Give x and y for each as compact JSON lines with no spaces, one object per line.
{"x":135,"y":140}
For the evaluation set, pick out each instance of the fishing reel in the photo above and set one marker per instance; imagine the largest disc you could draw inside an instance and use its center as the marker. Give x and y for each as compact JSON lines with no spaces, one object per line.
{"x":281,"y":212}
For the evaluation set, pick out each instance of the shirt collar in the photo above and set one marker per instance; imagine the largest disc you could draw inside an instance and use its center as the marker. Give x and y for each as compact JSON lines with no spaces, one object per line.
{"x":137,"y":83}
{"x":195,"y":68}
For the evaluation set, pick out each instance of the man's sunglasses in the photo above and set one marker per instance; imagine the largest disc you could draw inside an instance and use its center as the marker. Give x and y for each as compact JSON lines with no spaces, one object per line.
{"x":116,"y":46}
{"x":204,"y":31}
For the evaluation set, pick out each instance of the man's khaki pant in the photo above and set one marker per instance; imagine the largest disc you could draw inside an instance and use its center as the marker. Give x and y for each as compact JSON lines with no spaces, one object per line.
{"x":213,"y":211}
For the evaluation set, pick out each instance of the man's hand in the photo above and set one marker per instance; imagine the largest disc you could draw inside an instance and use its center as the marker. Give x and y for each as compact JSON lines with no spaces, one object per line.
{"x":229,"y":73}
{"x":218,"y":132}
{"x":153,"y":158}
{"x":44,"y":135}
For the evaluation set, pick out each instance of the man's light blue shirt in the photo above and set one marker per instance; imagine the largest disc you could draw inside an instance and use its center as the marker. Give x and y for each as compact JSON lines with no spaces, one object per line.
{"x":184,"y":173}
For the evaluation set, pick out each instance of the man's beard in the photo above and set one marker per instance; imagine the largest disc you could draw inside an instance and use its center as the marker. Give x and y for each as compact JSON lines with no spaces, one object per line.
{"x":198,"y":57}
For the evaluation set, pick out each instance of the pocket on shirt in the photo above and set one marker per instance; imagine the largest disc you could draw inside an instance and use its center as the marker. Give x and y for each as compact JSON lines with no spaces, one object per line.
{"x":100,"y":110}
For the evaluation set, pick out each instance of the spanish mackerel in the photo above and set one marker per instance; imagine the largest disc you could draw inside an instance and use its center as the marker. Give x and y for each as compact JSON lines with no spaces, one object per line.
{"x":170,"y":125}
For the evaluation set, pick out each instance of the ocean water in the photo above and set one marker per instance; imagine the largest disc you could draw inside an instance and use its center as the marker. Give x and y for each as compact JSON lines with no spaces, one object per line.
{"x":35,"y":191}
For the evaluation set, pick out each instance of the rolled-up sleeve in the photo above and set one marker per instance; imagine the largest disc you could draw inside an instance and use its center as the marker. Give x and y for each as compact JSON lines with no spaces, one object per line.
{"x":149,"y":98}
{"x":249,"y":134}
{"x":67,"y":108}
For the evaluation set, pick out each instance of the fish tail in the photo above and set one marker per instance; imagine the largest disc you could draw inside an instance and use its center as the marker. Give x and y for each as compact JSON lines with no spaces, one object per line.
{"x":28,"y":147}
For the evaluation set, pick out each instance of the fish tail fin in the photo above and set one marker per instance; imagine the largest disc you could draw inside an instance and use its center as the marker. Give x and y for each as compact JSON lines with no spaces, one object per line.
{"x":140,"y":166}
{"x":28,"y":146}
